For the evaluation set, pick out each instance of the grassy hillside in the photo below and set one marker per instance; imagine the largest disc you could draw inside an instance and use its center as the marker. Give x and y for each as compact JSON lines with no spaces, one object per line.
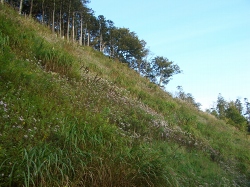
{"x":69,"y":116}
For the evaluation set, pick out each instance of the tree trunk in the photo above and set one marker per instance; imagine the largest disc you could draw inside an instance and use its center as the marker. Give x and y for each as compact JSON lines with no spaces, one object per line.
{"x":43,"y":12}
{"x":160,"y":81}
{"x":31,"y":7}
{"x":73,"y":26}
{"x":110,"y":44}
{"x":68,"y":22}
{"x":53,"y":17}
{"x":81,"y":32}
{"x":62,"y":26}
{"x":21,"y":7}
{"x":139,"y":67}
{"x":68,"y":29}
{"x":2,"y":1}
{"x":88,"y":38}
{"x":85,"y":33}
{"x":60,"y":23}
{"x":100,"y":42}
{"x":100,"y":30}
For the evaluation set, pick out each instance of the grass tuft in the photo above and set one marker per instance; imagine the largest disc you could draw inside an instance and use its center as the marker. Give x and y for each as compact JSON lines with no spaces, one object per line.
{"x":72,"y":117}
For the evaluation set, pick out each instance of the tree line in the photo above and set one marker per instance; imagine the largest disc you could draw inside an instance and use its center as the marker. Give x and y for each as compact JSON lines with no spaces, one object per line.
{"x":234,"y":113}
{"x":75,"y":21}
{"x":186,"y":97}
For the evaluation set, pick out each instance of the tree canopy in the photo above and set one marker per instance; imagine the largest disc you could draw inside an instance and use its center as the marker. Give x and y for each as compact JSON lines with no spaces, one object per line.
{"x":233,"y":112}
{"x":75,"y":21}
{"x":163,"y":70}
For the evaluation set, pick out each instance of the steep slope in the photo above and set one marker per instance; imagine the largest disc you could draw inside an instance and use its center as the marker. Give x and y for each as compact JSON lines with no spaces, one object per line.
{"x":72,"y":117}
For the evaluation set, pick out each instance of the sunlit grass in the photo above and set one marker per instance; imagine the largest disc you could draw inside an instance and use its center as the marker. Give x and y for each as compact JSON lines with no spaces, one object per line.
{"x":72,"y":117}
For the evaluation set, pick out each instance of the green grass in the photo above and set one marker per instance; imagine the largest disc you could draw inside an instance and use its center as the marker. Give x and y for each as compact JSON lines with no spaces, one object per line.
{"x":69,"y":116}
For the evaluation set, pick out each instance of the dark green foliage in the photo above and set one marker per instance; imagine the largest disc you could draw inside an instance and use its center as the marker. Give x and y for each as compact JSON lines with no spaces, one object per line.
{"x":163,"y":70}
{"x":128,"y":48}
{"x":221,"y":106}
{"x":247,"y":110}
{"x":234,"y":116}
{"x":187,"y":97}
{"x":231,"y":112}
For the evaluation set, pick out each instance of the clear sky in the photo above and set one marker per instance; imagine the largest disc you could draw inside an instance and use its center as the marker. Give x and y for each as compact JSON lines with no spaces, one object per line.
{"x":208,"y":39}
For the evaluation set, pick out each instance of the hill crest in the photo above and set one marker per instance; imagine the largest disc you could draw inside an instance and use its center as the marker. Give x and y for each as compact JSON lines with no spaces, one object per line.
{"x":71,"y":116}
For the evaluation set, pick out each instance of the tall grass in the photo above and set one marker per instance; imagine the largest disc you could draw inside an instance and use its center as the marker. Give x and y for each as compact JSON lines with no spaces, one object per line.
{"x":72,"y":117}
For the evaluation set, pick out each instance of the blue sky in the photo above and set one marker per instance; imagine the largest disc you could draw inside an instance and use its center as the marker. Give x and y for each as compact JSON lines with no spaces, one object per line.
{"x":208,"y":39}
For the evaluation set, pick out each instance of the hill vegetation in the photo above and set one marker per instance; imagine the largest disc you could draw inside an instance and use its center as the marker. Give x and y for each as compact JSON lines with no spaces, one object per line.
{"x":71,"y":116}
{"x":74,"y":21}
